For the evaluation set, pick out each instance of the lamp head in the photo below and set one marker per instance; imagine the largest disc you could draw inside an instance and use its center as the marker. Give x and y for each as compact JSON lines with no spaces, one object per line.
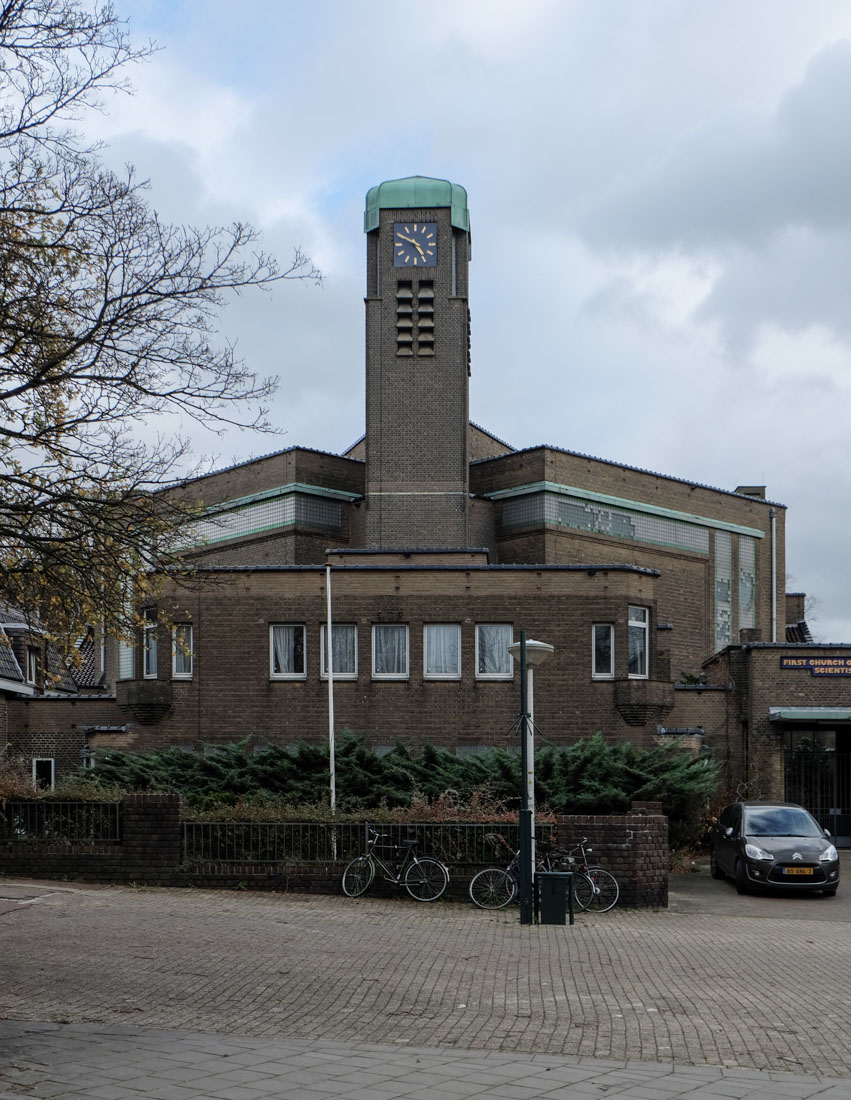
{"x":536,"y":652}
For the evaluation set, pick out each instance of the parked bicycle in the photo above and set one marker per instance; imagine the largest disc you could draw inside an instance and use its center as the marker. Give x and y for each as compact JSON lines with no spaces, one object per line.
{"x":495,"y":887}
{"x":424,"y":878}
{"x":594,"y":889}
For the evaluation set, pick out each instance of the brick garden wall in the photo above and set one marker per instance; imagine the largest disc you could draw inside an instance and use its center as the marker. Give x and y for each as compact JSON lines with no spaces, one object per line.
{"x":149,"y":853}
{"x":633,"y":846}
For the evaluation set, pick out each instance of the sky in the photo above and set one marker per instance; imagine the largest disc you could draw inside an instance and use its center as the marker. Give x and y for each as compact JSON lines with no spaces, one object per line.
{"x":660,"y":204}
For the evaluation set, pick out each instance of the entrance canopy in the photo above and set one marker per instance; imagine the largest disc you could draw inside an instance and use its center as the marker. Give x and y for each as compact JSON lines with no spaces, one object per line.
{"x":809,"y":714}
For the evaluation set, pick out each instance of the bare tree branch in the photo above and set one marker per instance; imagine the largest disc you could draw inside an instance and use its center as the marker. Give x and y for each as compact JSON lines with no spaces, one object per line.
{"x":108,"y":321}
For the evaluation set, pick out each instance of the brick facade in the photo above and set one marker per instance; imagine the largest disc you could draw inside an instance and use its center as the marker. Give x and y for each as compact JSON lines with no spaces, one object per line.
{"x":431,"y":520}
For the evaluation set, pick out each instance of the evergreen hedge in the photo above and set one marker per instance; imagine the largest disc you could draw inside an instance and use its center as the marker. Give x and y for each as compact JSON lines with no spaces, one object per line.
{"x":591,"y":776}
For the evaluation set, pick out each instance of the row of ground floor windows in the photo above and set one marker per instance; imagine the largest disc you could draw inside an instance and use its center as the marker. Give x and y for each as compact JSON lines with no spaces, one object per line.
{"x":391,"y":650}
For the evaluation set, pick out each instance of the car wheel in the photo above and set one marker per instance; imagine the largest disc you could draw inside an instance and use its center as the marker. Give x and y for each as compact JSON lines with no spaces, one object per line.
{"x":714,"y":869}
{"x":830,"y":892}
{"x":741,"y":876}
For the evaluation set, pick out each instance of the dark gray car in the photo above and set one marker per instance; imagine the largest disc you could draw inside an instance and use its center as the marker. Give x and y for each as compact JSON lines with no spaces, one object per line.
{"x":773,"y":844}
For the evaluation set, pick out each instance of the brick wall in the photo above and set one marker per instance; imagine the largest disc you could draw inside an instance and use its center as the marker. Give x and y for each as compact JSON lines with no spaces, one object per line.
{"x":149,"y":852}
{"x":632,"y":846}
{"x":417,"y":406}
{"x":232,"y":696}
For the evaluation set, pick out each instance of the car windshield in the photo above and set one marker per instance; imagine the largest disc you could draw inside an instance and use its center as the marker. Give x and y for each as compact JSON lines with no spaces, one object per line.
{"x":779,"y":821}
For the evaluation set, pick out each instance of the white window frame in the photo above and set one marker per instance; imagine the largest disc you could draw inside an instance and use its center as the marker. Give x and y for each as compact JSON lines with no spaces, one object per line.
{"x":509,"y":675}
{"x":287,"y":675}
{"x":45,"y":760}
{"x":644,"y":625}
{"x":405,"y":675}
{"x":184,"y":649}
{"x":596,"y":674}
{"x":150,"y":647}
{"x":32,"y":659}
{"x":349,"y":675}
{"x":455,"y":673}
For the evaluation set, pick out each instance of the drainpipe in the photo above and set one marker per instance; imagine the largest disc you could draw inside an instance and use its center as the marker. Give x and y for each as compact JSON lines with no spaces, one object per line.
{"x":773,"y":517}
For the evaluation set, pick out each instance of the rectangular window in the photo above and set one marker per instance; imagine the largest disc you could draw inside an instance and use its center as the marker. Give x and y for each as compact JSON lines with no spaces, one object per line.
{"x":287,"y":652}
{"x":442,"y":651}
{"x":493,"y":661}
{"x":149,"y":643}
{"x":747,"y":582}
{"x":345,"y":652}
{"x":32,"y":665}
{"x":602,"y":651}
{"x":43,"y":773}
{"x":390,"y":651}
{"x":126,"y":659}
{"x":723,"y":589}
{"x":181,"y":651}
{"x":637,"y":637}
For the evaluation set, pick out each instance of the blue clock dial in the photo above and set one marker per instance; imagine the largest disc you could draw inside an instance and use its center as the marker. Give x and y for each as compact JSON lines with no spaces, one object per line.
{"x":414,"y":244}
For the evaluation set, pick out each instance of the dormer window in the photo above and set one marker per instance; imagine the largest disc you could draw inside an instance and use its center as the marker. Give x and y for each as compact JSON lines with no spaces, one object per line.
{"x":32,"y":664}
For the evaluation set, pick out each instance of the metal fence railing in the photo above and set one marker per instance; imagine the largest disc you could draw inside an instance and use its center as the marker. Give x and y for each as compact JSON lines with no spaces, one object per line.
{"x":39,"y":821}
{"x":321,"y":842}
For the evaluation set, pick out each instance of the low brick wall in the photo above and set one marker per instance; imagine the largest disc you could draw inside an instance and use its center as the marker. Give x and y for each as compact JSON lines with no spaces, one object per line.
{"x":149,"y":852}
{"x":633,"y":846}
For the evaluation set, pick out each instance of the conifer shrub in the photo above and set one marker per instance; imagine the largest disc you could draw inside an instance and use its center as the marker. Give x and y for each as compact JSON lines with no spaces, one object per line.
{"x":291,"y":783}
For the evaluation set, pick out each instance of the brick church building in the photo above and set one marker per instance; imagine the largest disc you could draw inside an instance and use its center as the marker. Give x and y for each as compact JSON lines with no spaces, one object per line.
{"x":663,"y":599}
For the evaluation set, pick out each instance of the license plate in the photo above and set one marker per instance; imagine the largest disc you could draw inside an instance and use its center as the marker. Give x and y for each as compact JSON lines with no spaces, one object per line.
{"x":797,"y":870}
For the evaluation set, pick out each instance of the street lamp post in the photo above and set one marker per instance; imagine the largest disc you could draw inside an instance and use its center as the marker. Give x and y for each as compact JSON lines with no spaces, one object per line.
{"x":530,"y":653}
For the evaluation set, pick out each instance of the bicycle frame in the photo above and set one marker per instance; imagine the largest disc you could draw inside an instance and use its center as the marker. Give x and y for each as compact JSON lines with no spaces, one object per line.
{"x":389,"y":875}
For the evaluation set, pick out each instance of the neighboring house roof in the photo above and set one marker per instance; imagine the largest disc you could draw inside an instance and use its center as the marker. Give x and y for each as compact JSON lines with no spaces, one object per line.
{"x":799,"y":633}
{"x":9,"y":667}
{"x":85,"y":674}
{"x":60,"y":679}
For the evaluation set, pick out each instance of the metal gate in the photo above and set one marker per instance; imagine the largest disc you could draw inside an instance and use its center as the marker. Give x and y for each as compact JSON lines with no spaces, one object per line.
{"x":821,"y":780}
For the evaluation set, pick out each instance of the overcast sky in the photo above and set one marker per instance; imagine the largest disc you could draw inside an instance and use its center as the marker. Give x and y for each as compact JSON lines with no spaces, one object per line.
{"x":660,"y":201}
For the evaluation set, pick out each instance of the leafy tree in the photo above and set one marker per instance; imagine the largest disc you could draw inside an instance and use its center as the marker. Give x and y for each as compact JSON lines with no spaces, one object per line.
{"x":108,"y":319}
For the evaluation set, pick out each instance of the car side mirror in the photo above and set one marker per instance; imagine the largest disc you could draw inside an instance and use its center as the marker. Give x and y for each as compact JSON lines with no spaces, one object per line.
{"x":827,"y":832}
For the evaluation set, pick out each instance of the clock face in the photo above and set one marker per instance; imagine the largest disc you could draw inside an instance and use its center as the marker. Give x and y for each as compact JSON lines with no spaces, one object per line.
{"x":414,"y":244}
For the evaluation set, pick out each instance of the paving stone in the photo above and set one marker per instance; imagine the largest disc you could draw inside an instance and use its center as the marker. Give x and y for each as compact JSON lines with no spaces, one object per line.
{"x":247,"y":996}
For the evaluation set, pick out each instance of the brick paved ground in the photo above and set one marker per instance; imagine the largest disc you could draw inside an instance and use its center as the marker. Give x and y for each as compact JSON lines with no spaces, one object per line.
{"x":758,"y":991}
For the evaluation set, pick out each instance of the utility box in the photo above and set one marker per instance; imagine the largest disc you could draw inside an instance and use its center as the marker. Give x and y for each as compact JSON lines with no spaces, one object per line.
{"x":554,"y":889}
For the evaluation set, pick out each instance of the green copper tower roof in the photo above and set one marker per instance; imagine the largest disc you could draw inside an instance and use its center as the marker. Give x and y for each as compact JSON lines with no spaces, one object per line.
{"x":416,"y":192}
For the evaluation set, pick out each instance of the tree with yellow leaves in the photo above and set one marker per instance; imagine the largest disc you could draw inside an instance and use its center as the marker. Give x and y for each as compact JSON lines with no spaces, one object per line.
{"x":107,"y":319}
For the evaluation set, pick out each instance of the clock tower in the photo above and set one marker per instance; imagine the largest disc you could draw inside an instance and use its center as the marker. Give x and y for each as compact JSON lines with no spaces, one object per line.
{"x":417,"y":364}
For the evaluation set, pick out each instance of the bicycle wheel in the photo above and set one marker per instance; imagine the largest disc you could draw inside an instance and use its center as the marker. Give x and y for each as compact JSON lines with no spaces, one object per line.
{"x":358,"y":876}
{"x":426,"y":879}
{"x":596,"y":891}
{"x":492,"y":888}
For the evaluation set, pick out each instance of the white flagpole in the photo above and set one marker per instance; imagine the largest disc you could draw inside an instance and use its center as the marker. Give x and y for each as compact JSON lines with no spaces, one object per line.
{"x":329,"y":656}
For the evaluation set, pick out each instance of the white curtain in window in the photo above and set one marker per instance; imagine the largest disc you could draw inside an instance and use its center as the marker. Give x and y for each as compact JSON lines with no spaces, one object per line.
{"x":391,"y":650}
{"x":442,"y":650}
{"x":637,"y":639}
{"x":149,"y":648}
{"x":344,"y":636}
{"x":287,"y":650}
{"x":494,"y":658}
{"x":183,"y":650}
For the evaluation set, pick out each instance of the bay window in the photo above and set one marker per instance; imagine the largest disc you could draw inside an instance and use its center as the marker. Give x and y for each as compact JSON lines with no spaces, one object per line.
{"x":637,"y":642}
